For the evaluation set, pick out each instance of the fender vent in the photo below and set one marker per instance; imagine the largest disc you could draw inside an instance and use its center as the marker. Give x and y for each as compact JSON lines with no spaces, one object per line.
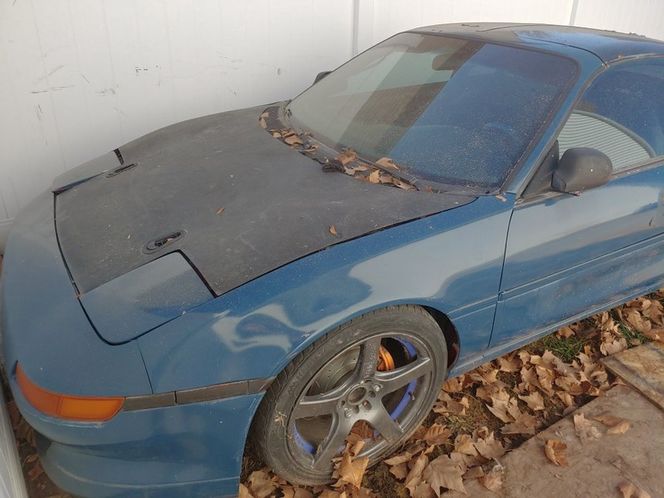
{"x":120,"y":169}
{"x":161,"y":242}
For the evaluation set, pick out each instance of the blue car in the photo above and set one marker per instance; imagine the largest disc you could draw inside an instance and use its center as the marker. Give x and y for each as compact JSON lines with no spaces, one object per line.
{"x":293,"y":273}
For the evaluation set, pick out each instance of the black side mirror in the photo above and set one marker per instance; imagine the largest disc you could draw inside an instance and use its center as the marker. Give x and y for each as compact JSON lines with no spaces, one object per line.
{"x":581,"y":168}
{"x":320,"y":76}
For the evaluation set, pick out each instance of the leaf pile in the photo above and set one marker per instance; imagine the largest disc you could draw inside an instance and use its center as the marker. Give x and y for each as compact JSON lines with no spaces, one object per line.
{"x":383,"y":171}
{"x":482,"y":414}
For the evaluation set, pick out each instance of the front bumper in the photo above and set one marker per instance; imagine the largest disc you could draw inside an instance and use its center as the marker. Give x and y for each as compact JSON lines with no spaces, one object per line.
{"x":181,"y":450}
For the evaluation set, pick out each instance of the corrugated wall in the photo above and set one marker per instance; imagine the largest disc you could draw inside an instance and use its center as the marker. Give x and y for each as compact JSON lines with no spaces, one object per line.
{"x":80,"y":77}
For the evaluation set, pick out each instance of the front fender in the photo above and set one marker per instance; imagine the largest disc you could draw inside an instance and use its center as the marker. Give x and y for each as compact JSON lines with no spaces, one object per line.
{"x":451,"y":262}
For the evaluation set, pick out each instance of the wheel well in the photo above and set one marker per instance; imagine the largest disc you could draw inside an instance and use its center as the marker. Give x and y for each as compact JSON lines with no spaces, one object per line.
{"x":449,"y":332}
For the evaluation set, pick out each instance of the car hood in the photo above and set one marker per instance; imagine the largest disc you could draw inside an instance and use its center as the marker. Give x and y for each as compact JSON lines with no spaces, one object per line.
{"x":220,"y":190}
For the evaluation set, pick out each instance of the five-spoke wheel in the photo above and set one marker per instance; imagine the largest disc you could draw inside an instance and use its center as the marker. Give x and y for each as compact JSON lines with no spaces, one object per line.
{"x":376,"y":376}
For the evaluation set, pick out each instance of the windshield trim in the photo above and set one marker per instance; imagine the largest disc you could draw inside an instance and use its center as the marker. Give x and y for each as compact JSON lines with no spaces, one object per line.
{"x":536,"y":137}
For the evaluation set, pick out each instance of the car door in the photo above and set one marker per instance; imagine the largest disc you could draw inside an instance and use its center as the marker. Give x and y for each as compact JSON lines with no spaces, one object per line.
{"x":570,"y":255}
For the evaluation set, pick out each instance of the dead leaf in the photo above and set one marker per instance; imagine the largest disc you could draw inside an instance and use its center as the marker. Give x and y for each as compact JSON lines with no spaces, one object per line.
{"x":400,"y":458}
{"x":347,"y":156}
{"x":386,"y":162}
{"x":333,"y":230}
{"x":437,"y":434}
{"x":555,"y":451}
{"x":244,"y":492}
{"x":414,"y":476}
{"x":585,"y":430}
{"x":616,"y":425}
{"x":631,"y":490}
{"x":534,"y":400}
{"x":620,"y":428}
{"x":220,"y":210}
{"x":524,"y":424}
{"x":260,"y":484}
{"x":292,"y":139}
{"x":489,"y":447}
{"x":493,"y":481}
{"x":608,"y":420}
{"x":374,"y":177}
{"x":509,"y":363}
{"x":504,"y":407}
{"x":399,"y":471}
{"x":565,"y":332}
{"x":443,"y":472}
{"x":263,"y":119}
{"x":351,"y":470}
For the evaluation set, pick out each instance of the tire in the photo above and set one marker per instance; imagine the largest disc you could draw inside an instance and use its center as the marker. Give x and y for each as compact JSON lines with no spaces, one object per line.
{"x":383,"y":368}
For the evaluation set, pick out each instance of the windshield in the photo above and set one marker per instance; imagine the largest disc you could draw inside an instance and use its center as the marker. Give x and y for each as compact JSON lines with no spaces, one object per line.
{"x":447,"y":110}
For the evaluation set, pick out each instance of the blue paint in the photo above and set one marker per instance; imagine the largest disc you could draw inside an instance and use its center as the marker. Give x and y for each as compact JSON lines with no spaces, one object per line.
{"x":530,"y":265}
{"x":145,"y":298}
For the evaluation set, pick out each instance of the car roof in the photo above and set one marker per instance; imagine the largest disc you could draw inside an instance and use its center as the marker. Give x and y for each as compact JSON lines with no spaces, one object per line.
{"x":608,"y":46}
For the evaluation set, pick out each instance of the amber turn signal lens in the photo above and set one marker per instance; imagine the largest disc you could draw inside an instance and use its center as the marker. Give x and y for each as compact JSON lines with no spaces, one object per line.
{"x":85,"y":409}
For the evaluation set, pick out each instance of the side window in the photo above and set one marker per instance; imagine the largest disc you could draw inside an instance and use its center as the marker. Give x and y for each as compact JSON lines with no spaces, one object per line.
{"x":621,"y":114}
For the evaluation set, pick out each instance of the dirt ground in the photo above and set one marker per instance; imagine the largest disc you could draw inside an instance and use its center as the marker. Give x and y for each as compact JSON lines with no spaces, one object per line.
{"x":480,"y":417}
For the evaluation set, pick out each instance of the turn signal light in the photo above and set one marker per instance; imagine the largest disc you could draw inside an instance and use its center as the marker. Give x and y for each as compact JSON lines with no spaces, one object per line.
{"x":85,"y":409}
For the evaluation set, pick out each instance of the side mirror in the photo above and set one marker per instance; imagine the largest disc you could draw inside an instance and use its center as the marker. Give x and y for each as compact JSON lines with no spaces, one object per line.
{"x":320,"y":76}
{"x":581,"y":168}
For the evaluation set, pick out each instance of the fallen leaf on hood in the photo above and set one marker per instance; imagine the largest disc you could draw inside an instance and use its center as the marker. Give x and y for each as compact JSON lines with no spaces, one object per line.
{"x":386,"y":162}
{"x":631,"y":490}
{"x":584,"y":428}
{"x":374,"y":177}
{"x":333,"y":230}
{"x":443,"y":472}
{"x":347,"y":156}
{"x":263,"y":119}
{"x":292,"y":138}
{"x":220,"y":210}
{"x":555,"y":451}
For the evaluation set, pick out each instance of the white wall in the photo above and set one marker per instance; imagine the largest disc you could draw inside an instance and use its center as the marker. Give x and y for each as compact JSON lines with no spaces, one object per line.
{"x":80,"y":77}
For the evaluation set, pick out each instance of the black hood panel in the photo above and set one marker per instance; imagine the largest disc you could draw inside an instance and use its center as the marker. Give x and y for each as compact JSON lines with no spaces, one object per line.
{"x":242,"y":202}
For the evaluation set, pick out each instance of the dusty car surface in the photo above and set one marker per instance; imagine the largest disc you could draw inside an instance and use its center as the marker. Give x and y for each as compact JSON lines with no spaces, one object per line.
{"x":295,"y":271}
